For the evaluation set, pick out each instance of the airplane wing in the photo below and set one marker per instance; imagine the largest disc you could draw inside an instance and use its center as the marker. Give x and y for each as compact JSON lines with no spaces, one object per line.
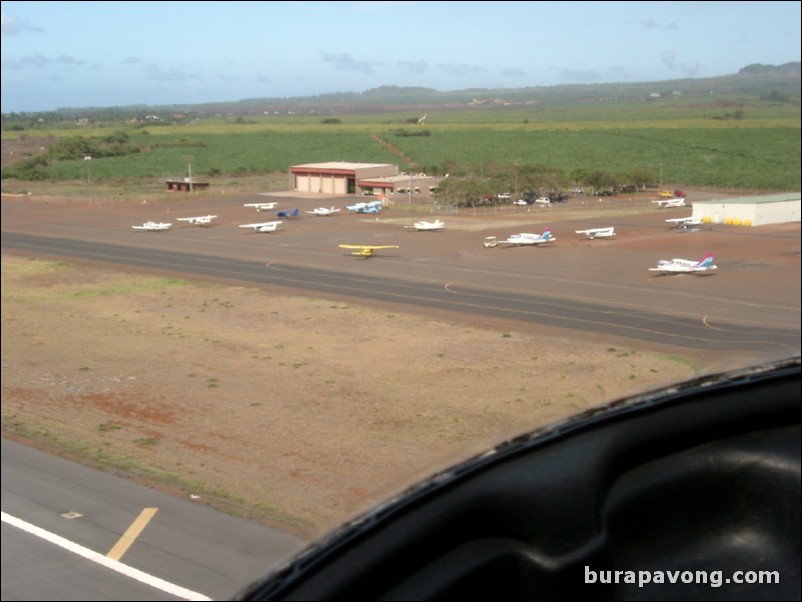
{"x":262,"y":226}
{"x":154,"y":226}
{"x":598,"y":232}
{"x":261,"y":206}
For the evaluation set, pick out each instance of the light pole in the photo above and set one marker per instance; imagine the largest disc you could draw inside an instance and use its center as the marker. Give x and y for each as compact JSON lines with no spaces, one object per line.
{"x":515,"y":165}
{"x":661,"y":175}
{"x":189,"y":167}
{"x":409,"y":192}
{"x":87,"y":160}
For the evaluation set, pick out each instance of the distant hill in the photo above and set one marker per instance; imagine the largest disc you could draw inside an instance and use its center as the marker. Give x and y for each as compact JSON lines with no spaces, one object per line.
{"x":751,"y":80}
{"x":756,"y":80}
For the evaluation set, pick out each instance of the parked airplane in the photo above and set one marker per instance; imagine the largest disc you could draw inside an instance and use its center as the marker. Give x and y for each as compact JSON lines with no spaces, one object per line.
{"x":526,"y":238}
{"x":663,"y":203}
{"x":685,"y":222}
{"x":424,"y":225}
{"x":154,"y":226}
{"x":289,"y":214}
{"x":200,"y":220}
{"x":324,"y":211}
{"x":366,"y":250}
{"x":365,"y":207}
{"x":262,"y":206}
{"x":262,"y":227}
{"x":608,"y":232}
{"x":684,"y":266}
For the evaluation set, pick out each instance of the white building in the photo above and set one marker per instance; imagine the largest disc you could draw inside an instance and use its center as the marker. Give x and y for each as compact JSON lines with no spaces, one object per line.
{"x":760,"y":210}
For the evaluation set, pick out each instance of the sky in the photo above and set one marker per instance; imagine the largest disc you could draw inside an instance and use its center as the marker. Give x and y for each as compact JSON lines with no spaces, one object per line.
{"x":105,"y":54}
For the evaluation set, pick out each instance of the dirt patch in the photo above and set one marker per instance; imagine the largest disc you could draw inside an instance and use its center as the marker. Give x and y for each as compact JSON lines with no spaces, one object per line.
{"x":296,"y":412}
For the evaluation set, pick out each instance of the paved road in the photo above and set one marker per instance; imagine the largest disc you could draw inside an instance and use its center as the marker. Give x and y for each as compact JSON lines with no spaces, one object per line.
{"x":516,"y":301}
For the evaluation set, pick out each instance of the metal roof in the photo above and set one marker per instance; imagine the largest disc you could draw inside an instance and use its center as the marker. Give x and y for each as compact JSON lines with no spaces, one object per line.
{"x":339,"y":165}
{"x":781,"y":197}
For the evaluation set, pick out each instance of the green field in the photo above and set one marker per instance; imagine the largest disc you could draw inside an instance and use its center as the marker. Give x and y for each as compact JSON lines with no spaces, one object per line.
{"x":751,"y":144}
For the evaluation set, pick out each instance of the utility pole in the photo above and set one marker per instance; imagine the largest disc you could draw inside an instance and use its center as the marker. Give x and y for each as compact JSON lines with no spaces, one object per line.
{"x":409,"y":192}
{"x":189,"y":167}
{"x":87,"y":160}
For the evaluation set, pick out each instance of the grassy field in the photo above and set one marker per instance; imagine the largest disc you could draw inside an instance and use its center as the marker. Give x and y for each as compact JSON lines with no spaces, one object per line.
{"x":696,"y":142}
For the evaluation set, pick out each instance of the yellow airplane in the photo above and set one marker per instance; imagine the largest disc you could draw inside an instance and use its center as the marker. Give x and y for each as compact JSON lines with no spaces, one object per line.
{"x":366,"y":250}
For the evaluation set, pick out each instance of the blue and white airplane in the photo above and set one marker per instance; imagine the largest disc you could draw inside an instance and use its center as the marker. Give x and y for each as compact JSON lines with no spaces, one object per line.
{"x":685,"y":266}
{"x":365,"y":207}
{"x":527,"y":238}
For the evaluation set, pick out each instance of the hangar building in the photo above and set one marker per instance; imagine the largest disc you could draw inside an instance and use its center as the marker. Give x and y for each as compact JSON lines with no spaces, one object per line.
{"x":356,"y":178}
{"x":760,"y":210}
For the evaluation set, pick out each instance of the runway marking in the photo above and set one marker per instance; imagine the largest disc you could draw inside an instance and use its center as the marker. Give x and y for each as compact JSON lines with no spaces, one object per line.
{"x":114,"y":565}
{"x":130,"y":535}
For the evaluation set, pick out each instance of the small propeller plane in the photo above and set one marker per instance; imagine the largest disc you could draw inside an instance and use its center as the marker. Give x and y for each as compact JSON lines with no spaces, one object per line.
{"x":685,"y":266}
{"x":366,"y":250}
{"x":365,"y":207}
{"x":685,"y":222}
{"x":527,"y":238}
{"x":423,"y":225}
{"x":324,"y":211}
{"x":262,"y":206}
{"x":154,"y":226}
{"x":289,"y":213}
{"x":263,"y":226}
{"x":200,"y":220}
{"x":663,"y":203}
{"x":591,"y":233}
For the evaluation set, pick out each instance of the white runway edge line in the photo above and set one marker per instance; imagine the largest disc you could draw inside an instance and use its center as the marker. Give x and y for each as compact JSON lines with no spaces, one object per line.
{"x":114,"y":565}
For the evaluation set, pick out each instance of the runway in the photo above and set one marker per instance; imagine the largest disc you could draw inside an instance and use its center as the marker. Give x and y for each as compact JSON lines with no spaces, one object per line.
{"x":700,"y":332}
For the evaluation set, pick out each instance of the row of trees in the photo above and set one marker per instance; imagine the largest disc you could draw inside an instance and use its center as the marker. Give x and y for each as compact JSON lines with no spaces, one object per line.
{"x":71,"y":148}
{"x":467,"y":183}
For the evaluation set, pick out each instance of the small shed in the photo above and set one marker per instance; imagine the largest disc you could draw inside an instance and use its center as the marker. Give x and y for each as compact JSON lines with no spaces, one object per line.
{"x":186,"y":185}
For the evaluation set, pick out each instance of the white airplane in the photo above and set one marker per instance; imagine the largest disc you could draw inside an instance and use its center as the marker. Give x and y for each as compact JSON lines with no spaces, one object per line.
{"x":262,"y":206}
{"x":424,"y":225}
{"x":663,"y":203}
{"x":685,"y":266}
{"x":526,"y":238}
{"x":263,"y":226}
{"x":200,"y":220}
{"x":685,"y":222}
{"x":154,"y":226}
{"x":608,"y":232}
{"x":324,"y":211}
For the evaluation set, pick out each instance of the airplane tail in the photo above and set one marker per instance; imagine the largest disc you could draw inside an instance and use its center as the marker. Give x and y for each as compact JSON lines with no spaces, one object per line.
{"x":546,"y":234}
{"x":706,"y":262}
